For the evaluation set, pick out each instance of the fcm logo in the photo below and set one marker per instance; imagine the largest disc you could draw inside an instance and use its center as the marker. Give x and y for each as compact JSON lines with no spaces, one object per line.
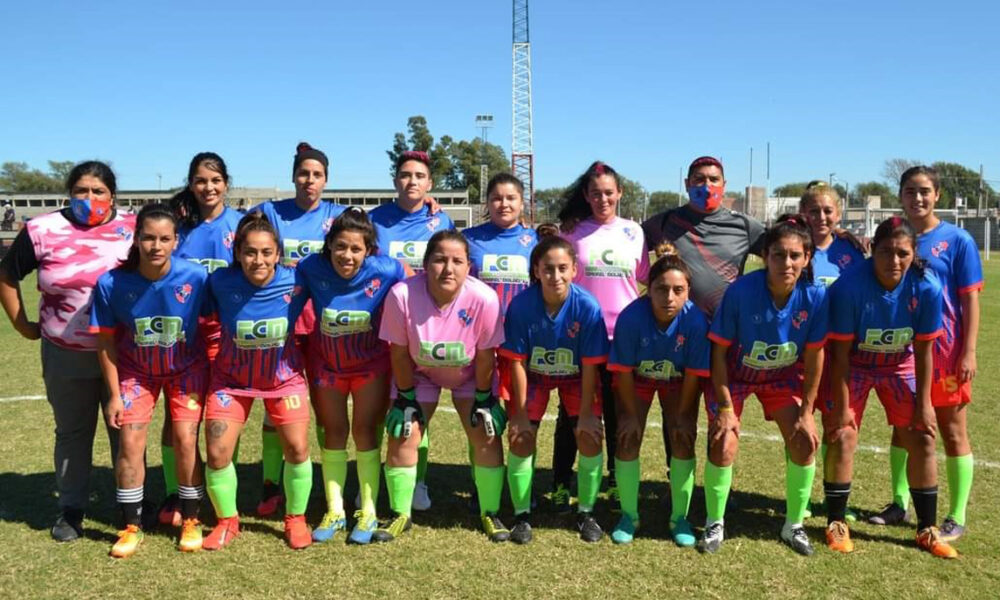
{"x":408,"y":251}
{"x":159,"y":331}
{"x":661,"y":370}
{"x":553,"y":362}
{"x":343,"y":322}
{"x":263,"y":333}
{"x":771,"y":356}
{"x":887,"y":341}
{"x":505,"y":263}
{"x":296,"y":250}
{"x":210,"y":264}
{"x":443,"y":354}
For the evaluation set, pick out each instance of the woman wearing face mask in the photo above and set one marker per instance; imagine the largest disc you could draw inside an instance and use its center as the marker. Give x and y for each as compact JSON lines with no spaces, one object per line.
{"x":70,"y":249}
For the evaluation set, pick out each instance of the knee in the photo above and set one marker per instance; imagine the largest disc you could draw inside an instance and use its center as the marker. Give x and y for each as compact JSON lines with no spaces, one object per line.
{"x":336,"y":435}
{"x":723,"y":452}
{"x":522,"y":447}
{"x":297,"y":451}
{"x":218,"y":457}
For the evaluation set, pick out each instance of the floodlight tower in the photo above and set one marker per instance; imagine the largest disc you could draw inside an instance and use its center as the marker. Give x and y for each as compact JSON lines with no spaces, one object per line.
{"x":522,"y":157}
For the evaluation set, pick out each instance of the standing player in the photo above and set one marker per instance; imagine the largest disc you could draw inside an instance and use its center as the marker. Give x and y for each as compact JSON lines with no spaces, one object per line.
{"x":885,"y":316}
{"x":770,"y":327}
{"x":347,"y":284}
{"x":145,"y":314}
{"x":555,"y":340}
{"x":661,"y":348}
{"x":257,"y":302}
{"x":443,"y":327}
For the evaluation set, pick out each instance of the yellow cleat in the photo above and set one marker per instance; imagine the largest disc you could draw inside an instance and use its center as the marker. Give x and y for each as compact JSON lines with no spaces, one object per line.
{"x":190,"y":536}
{"x":929,"y":539}
{"x":128,"y":542}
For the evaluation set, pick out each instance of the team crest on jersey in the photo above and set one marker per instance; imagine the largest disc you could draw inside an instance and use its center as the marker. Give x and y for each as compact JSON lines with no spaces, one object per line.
{"x":629,"y":233}
{"x":372,"y":287}
{"x":525,"y":240}
{"x":939,"y":248}
{"x":433,"y":223}
{"x":679,"y":343}
{"x":123,"y":232}
{"x":573,"y":329}
{"x":182,"y":292}
{"x":466,"y":317}
{"x":799,"y":319}
{"x":844,"y":260}
{"x":327,"y":224}
{"x":913,"y":305}
{"x":228,"y":239}
{"x":223,"y":399}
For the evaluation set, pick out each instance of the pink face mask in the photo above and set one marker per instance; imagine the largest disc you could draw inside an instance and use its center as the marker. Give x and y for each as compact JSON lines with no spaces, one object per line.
{"x":88,"y":211}
{"x":707,"y":198}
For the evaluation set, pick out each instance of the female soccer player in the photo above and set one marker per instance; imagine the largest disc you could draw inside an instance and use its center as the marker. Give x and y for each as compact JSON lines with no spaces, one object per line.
{"x":555,"y":340}
{"x":347,"y":284}
{"x":443,"y":327}
{"x":885,"y":316}
{"x":661,"y":348}
{"x":257,"y":303}
{"x":145,"y":314}
{"x":952,"y":255}
{"x":770,"y":327}
{"x":70,"y":249}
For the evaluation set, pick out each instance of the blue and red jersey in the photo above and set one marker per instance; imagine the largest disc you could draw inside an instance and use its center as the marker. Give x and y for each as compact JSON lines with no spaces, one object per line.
{"x":403,"y":236}
{"x":828,"y":263}
{"x":210,"y":243}
{"x":155,"y":322}
{"x":883,"y":324}
{"x":348,"y":311}
{"x":257,"y":350}
{"x":554,"y":348}
{"x":660,"y":355}
{"x":501,"y":258}
{"x":766,"y":344}
{"x":300,"y":232}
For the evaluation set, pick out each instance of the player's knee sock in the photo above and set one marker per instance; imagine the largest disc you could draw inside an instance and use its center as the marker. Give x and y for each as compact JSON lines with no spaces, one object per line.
{"x":423,"y":450}
{"x":401,"y":481}
{"x":900,"y":484}
{"x":588,"y":480}
{"x":270,"y":456}
{"x":489,"y":485}
{"x":798,"y":487}
{"x":130,"y":503}
{"x":169,"y":461}
{"x":627,"y":474}
{"x":925,"y":505}
{"x":520,"y":472}
{"x":681,"y":487}
{"x":334,"y":477}
{"x":718,"y":482}
{"x":221,"y":484}
{"x":298,"y":480}
{"x":837,"y":495}
{"x":369,"y":470}
{"x":959,"y":485}
{"x":190,"y":500}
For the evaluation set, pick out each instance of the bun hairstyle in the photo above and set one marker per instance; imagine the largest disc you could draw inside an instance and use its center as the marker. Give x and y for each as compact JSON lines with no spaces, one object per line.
{"x":409,"y":155}
{"x":305,"y":152}
{"x":253,"y":221}
{"x":352,"y":219}
{"x":668,"y":259}
{"x":183,"y":203}
{"x":894,"y":227}
{"x":548,"y":239}
{"x":575,"y":206}
{"x":792,"y":225}
{"x":149,"y":212}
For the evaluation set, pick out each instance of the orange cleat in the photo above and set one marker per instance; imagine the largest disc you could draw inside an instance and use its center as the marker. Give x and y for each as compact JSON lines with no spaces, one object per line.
{"x":297,"y":532}
{"x":128,"y":542}
{"x":224,"y":533}
{"x":838,"y":537}
{"x":929,"y":539}
{"x":191,"y":540}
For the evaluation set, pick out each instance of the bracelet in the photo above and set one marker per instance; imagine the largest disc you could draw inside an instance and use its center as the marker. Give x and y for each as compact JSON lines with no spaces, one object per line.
{"x":723,"y":409}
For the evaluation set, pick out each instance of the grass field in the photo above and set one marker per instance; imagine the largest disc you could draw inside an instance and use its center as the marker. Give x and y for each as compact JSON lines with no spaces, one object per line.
{"x":445,"y":556}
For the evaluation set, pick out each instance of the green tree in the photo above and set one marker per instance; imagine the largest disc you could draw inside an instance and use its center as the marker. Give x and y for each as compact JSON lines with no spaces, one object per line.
{"x":633,"y":199}
{"x":420,"y":139}
{"x":790,"y":190}
{"x":958,"y":181}
{"x":875,"y":188}
{"x":661,"y":201}
{"x":19,"y":177}
{"x":547,"y":204}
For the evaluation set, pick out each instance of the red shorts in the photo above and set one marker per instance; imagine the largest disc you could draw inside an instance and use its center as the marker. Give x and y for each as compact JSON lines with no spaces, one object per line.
{"x":948,"y":392}
{"x":428,"y":392}
{"x":504,"y":384}
{"x":569,"y":394}
{"x":772,"y":396}
{"x":185,"y":395}
{"x":231,"y":405}
{"x":212,"y":332}
{"x":348,"y":383}
{"x":896,"y":392}
{"x":646,"y":388}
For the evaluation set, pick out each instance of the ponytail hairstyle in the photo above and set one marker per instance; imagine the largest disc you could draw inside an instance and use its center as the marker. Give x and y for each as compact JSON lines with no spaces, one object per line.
{"x":894,"y":227}
{"x":668,"y":259}
{"x":575,"y":206}
{"x":548,"y":239}
{"x":149,"y":212}
{"x":253,"y":221}
{"x":352,"y":219}
{"x":305,"y":152}
{"x":792,"y":225}
{"x":447,"y":235}
{"x":183,"y":203}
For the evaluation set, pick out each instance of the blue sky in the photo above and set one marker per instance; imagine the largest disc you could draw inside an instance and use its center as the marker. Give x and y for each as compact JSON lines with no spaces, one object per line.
{"x":645,"y":86}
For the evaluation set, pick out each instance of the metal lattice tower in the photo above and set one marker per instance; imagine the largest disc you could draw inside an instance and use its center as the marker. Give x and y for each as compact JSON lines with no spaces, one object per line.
{"x":522,"y":148}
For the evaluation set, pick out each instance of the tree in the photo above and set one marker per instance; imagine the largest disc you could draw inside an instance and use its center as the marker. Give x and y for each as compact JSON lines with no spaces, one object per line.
{"x":894,"y":167}
{"x":958,"y":181}
{"x":547,"y":204}
{"x":633,"y":199}
{"x":790,"y":190}
{"x":19,"y":177}
{"x":875,"y":188}
{"x":661,"y":201}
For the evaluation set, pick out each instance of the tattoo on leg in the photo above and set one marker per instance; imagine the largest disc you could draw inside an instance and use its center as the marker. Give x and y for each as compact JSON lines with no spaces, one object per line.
{"x":136,"y":426}
{"x":216,"y":429}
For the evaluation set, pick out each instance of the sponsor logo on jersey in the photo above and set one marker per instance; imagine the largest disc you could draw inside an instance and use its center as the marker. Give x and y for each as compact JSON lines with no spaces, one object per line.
{"x":504,"y":268}
{"x":552,"y":362}
{"x":372,"y":287}
{"x":296,"y":250}
{"x":886,"y":341}
{"x":799,"y":319}
{"x":604,"y":262}
{"x":262,"y":333}
{"x":661,"y":370}
{"x":938,"y":248}
{"x":412,"y":253}
{"x":210,"y":264}
{"x":766,"y":356}
{"x":162,"y":331}
{"x":443,"y":354}
{"x":466,"y":317}
{"x":182,"y":292}
{"x":336,"y":323}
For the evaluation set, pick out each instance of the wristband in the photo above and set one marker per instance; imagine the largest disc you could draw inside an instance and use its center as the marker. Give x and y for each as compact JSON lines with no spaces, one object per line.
{"x":722,"y":409}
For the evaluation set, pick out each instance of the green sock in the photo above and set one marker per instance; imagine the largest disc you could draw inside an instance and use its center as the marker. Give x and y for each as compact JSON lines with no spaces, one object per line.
{"x":588,"y":480}
{"x":221,"y":486}
{"x":334,"y":477}
{"x":321,"y":435}
{"x":798,"y":488}
{"x":900,"y":484}
{"x":627,"y":475}
{"x":236,"y":451}
{"x":520,"y":472}
{"x":489,"y":484}
{"x":169,"y":460}
{"x":401,"y":481}
{"x":270,"y":456}
{"x":423,"y":450}
{"x":369,"y":469}
{"x":681,"y":487}
{"x":718,"y":482}
{"x":959,"y":485}
{"x":298,"y":484}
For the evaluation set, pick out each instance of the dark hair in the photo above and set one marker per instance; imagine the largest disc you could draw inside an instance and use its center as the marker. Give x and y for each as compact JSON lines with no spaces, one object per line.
{"x":149,"y":212}
{"x":702,"y":161}
{"x":352,"y":219}
{"x":94,"y":168}
{"x":447,"y":235}
{"x":502,"y":178}
{"x":792,"y":225}
{"x":930,"y":172}
{"x":575,"y":206}
{"x":668,"y":259}
{"x":549,"y":239}
{"x":183,"y":203}
{"x":894,"y":227}
{"x":409,"y":155}
{"x":253,"y":221}
{"x":304,"y":152}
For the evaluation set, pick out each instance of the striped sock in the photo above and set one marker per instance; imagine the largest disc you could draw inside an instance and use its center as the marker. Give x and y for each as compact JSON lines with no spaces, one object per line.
{"x":130,"y":502}
{"x":190,"y":497}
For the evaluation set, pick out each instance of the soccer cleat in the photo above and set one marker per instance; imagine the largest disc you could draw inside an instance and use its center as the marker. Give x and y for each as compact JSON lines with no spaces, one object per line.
{"x":68,"y":527}
{"x":270,"y":500}
{"x":838,"y":537}
{"x":191,"y":539}
{"x":951,"y":530}
{"x":590,"y":531}
{"x":683,"y":533}
{"x":624,"y":531}
{"x":494,"y":528}
{"x":795,"y":538}
{"x":227,"y":530}
{"x":332,"y":523}
{"x":561,"y":499}
{"x":891,"y":514}
{"x":363,"y":529}
{"x":169,"y":513}
{"x":421,"y":497}
{"x":390,"y":530}
{"x":711,"y":538}
{"x":929,"y":539}
{"x":128,"y":541}
{"x":297,"y":532}
{"x":521,"y":532}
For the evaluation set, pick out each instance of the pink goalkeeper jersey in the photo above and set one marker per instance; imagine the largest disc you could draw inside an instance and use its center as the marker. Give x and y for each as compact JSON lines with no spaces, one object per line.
{"x":442,"y":342}
{"x":610,"y":260}
{"x":70,"y":259}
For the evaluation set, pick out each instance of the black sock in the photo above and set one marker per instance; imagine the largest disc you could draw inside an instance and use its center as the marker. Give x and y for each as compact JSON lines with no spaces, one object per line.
{"x":190,"y":507}
{"x":131,"y":512}
{"x":925,"y":505}
{"x":836,"y":500}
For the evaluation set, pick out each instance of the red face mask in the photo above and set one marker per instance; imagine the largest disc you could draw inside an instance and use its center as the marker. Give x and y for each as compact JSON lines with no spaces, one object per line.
{"x":88,"y":211}
{"x":707,"y":198}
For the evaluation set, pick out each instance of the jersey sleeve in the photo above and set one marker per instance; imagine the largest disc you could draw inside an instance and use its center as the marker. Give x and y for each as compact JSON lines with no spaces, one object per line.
{"x":102,"y":318}
{"x":515,"y":325}
{"x":491,"y":323}
{"x":755,"y":236}
{"x":20,"y":259}
{"x":724,"y":325}
{"x":819,"y":324}
{"x":623,"y":347}
{"x":698,"y":350}
{"x":841,"y":312}
{"x":927,"y":322}
{"x":968,"y":267}
{"x":594,"y":347}
{"x":392,"y":329}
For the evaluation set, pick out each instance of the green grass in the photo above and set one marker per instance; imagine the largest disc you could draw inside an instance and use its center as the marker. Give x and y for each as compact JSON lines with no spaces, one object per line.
{"x":446,"y":556}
